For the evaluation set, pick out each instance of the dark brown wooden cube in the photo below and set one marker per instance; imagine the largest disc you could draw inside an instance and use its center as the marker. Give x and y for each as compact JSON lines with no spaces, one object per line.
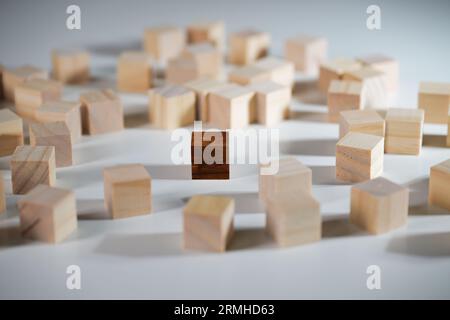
{"x":216,"y":168}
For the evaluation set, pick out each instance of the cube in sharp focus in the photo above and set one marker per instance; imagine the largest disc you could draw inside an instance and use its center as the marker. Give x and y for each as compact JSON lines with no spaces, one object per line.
{"x":208,"y":223}
{"x":404,"y":131}
{"x":2,"y":195}
{"x":281,"y":71}
{"x":32,"y":165}
{"x":439,"y":187}
{"x":434,"y":98}
{"x":363,"y":121}
{"x":11,"y":132}
{"x":171,"y":106}
{"x":101,"y":112}
{"x":134,"y":72}
{"x":71,"y":66}
{"x":293,"y":218}
{"x":248,"y":46}
{"x":359,"y":157}
{"x":211,"y":32}
{"x":344,"y":95}
{"x":164,"y":43}
{"x":13,"y":77}
{"x":385,"y":64}
{"x":248,"y":74}
{"x":208,"y":59}
{"x":55,"y":134}
{"x":379,"y":205}
{"x":48,"y":214}
{"x":209,"y":155}
{"x":306,"y":52}
{"x":334,"y":70}
{"x":127,"y":190}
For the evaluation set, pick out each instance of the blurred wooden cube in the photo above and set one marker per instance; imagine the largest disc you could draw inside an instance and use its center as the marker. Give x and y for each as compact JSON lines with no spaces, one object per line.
{"x":334,"y":70}
{"x":448,"y":128}
{"x":363,"y":121}
{"x":1,"y":82}
{"x":208,"y":59}
{"x":344,"y":95}
{"x":404,"y":131}
{"x":379,"y":205}
{"x":134,"y":72}
{"x":434,"y":98}
{"x":71,"y":66}
{"x":2,"y":195}
{"x":211,"y":32}
{"x":164,"y":43}
{"x":11,"y":132}
{"x":281,"y":71}
{"x":306,"y":52}
{"x":208,"y":223}
{"x":247,"y":46}
{"x":13,"y":77}
{"x":209,"y":155}
{"x":387,"y":65}
{"x":182,"y":70}
{"x":439,"y":186}
{"x":248,"y":74}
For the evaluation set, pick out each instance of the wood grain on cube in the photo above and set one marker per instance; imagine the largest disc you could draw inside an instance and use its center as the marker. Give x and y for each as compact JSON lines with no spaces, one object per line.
{"x":306,"y":52}
{"x":134,"y":72}
{"x":439,"y":185}
{"x":248,"y":74}
{"x":211,"y":32}
{"x":182,"y":70}
{"x":248,"y":46}
{"x":164,"y":42}
{"x":71,"y":66}
{"x":11,"y":132}
{"x":344,"y":95}
{"x":209,"y":155}
{"x":404,"y":131}
{"x":13,"y":77}
{"x":281,"y":71}
{"x":385,"y":64}
{"x":363,"y":121}
{"x":434,"y":99}
{"x":207,"y":58}
{"x":334,"y":70}
{"x":375,"y":86}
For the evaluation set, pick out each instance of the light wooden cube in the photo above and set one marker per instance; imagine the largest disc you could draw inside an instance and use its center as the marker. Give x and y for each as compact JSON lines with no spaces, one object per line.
{"x":211,"y":32}
{"x":208,"y":59}
{"x":249,"y":74}
{"x":127,"y":190}
{"x":171,"y":107}
{"x":55,"y":134}
{"x":48,"y":214}
{"x":439,"y":185}
{"x":134,"y":72}
{"x":359,"y":157}
{"x":363,"y":121}
{"x":404,"y":131}
{"x":66,"y":111}
{"x":101,"y":112}
{"x":11,"y":132}
{"x":448,"y":128}
{"x":387,"y":65}
{"x":208,"y":223}
{"x":2,"y":195}
{"x":344,"y":95}
{"x":379,"y":205}
{"x":182,"y":70}
{"x":293,"y":218}
{"x":247,"y":46}
{"x":232,"y":107}
{"x":164,"y":43}
{"x":434,"y":98}
{"x":71,"y":66}
{"x":31,"y":166}
{"x":281,"y":71}
{"x":13,"y":77}
{"x":306,"y":52}
{"x":334,"y":70}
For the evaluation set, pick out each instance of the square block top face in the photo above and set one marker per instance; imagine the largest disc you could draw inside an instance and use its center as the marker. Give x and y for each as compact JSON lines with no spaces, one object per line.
{"x":375,"y":58}
{"x":443,"y":167}
{"x":183,"y":63}
{"x":163,"y":29}
{"x":249,"y":72}
{"x":99,"y":96}
{"x":57,"y":107}
{"x":126,"y":173}
{"x":233,"y":91}
{"x":201,"y":47}
{"x":135,"y":56}
{"x":360,"y":141}
{"x":438,"y":88}
{"x":341,"y":65}
{"x":405,"y":115}
{"x":203,"y":85}
{"x":208,"y":206}
{"x":40,"y":84}
{"x":289,"y":166}
{"x":365,"y":73}
{"x":28,"y":71}
{"x":346,"y":87}
{"x":49,"y":129}
{"x":270,"y":63}
{"x":7,"y":115}
{"x":361,"y":116}
{"x":379,"y":187}
{"x":248,"y":34}
{"x":44,"y":195}
{"x":170,"y":91}
{"x":33,"y":154}
{"x":305,"y":39}
{"x":267,"y":87}
{"x":205,"y":25}
{"x":293,"y":202}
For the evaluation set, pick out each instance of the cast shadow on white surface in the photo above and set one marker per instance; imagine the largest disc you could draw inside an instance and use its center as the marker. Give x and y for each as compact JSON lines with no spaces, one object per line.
{"x":312,"y":116}
{"x":250,"y":238}
{"x":325,"y":175}
{"x":434,"y":140}
{"x":5,"y":163}
{"x":75,"y":179}
{"x":337,"y":226}
{"x":169,"y":172}
{"x":92,"y":209}
{"x":137,"y":120}
{"x":93,"y":152}
{"x":418,"y":199}
{"x":307,"y":91}
{"x":312,"y":147}
{"x":10,"y":236}
{"x":425,"y":245}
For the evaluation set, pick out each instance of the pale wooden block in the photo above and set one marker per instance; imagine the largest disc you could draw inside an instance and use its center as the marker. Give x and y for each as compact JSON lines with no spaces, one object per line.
{"x":101,"y":112}
{"x":182,"y":70}
{"x":281,"y":71}
{"x":31,"y":94}
{"x":127,"y":190}
{"x":171,"y":106}
{"x":248,"y":46}
{"x":306,"y":52}
{"x":232,"y":107}
{"x":207,"y":58}
{"x":11,"y":132}
{"x":439,"y":186}
{"x":13,"y":77}
{"x":55,"y":134}
{"x":71,"y":66}
{"x":2,"y":195}
{"x":404,"y":131}
{"x":448,"y":127}
{"x":359,"y":157}
{"x":66,"y":111}
{"x":379,"y":205}
{"x":48,"y":214}
{"x":248,"y":74}
{"x":434,"y":98}
{"x":363,"y":121}
{"x":208,"y":223}
{"x":211,"y":32}
{"x":334,"y":70}
{"x":385,"y":64}
{"x":31,"y":166}
{"x":134,"y":72}
{"x":344,"y":95}
{"x":164,"y":42}
{"x":293,"y":218}
{"x":1,"y":82}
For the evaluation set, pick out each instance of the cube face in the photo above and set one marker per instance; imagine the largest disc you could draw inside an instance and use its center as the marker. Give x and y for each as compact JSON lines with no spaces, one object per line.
{"x":281,"y":71}
{"x":306,"y":52}
{"x":11,"y":132}
{"x":209,"y":155}
{"x":248,"y":46}
{"x":13,"y":77}
{"x":207,"y":59}
{"x":448,"y":128}
{"x":434,"y":99}
{"x":272,"y":102}
{"x":363,"y":121}
{"x":387,"y":65}
{"x":211,"y":32}
{"x":344,"y":95}
{"x":404,"y":131}
{"x":182,"y":70}
{"x":71,"y":66}
{"x":2,"y":196}
{"x":134,"y":72}
{"x":438,"y":194}
{"x":164,"y":43}
{"x":249,"y":74}
{"x":375,"y":86}
{"x":334,"y":70}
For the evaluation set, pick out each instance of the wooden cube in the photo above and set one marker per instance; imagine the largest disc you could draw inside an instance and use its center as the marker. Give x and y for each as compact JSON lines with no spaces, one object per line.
{"x":2,"y":195}
{"x":55,"y":134}
{"x":293,"y":218}
{"x":364,"y":121}
{"x":182,"y":70}
{"x":387,"y":65}
{"x":448,"y":128}
{"x":134,"y":72}
{"x":434,"y":98}
{"x":281,"y":71}
{"x":379,"y":205}
{"x":359,"y":157}
{"x":66,"y":111}
{"x":344,"y":95}
{"x":334,"y":70}
{"x":171,"y":107}
{"x":232,"y":107}
{"x":11,"y":132}
{"x":247,"y":46}
{"x":208,"y":223}
{"x":31,"y":166}
{"x":248,"y":74}
{"x":208,"y":59}
{"x":164,"y":43}
{"x":404,"y":131}
{"x":209,"y":155}
{"x":211,"y":32}
{"x":306,"y":52}
{"x":13,"y":77}
{"x":439,"y":185}
{"x":71,"y":66}
{"x":101,"y":112}
{"x":127,"y":190}
{"x":1,"y":82}
{"x":48,"y":214}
